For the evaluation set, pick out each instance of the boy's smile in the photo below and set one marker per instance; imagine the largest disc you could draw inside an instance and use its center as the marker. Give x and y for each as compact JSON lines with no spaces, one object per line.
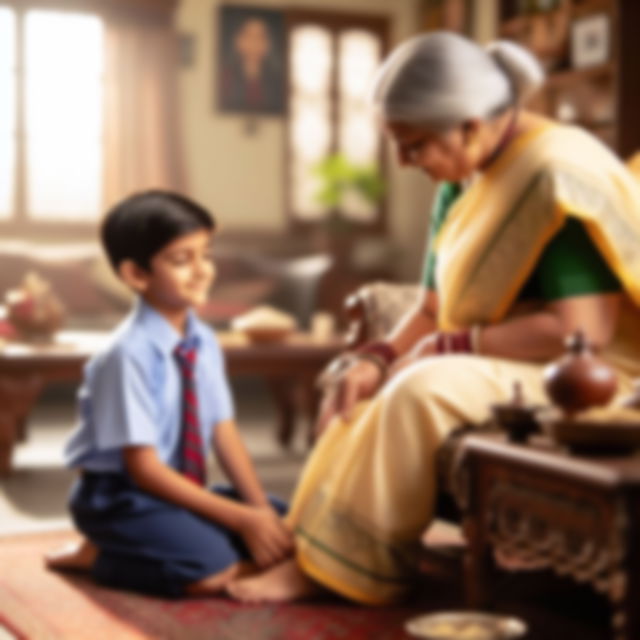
{"x":181,"y":273}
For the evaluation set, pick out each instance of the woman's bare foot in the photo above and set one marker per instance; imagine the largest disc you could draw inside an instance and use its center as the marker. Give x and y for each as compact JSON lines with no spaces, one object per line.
{"x":283,"y":582}
{"x":73,"y":556}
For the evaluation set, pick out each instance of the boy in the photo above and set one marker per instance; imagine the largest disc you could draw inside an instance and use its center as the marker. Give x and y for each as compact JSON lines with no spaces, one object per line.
{"x":149,"y":404}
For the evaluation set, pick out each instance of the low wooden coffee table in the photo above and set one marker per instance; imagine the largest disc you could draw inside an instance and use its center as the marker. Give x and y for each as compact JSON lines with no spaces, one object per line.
{"x":542,"y":506}
{"x":289,"y":367}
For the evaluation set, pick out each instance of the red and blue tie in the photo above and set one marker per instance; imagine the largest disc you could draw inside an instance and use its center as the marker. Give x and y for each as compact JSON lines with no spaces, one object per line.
{"x":192,"y":457}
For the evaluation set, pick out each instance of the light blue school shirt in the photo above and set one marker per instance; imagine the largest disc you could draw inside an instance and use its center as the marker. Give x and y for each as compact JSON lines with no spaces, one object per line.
{"x":132,"y":392}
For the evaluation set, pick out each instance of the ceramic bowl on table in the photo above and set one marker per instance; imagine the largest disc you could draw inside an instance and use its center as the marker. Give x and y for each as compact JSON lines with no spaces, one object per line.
{"x":465,"y":625}
{"x":265,"y":324}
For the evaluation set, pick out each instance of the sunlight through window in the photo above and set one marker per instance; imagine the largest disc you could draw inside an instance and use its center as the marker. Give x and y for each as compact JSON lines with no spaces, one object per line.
{"x":63,"y":115}
{"x":7,"y":110}
{"x":310,"y":113}
{"x":331,"y":71}
{"x":359,"y":54}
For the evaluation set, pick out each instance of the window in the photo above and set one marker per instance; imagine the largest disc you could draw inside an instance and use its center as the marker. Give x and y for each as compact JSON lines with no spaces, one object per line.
{"x":7,"y":109}
{"x":332,"y":60}
{"x":51,"y":116}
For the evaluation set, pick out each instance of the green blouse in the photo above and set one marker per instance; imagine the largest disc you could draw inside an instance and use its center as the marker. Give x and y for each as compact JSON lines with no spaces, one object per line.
{"x":570,"y":265}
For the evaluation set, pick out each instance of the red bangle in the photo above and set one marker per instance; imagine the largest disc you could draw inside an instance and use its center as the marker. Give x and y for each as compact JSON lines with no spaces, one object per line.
{"x":454,"y":342}
{"x":381,"y":349}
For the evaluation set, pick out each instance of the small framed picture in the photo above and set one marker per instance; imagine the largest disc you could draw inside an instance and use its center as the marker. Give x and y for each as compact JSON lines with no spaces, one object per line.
{"x":251,"y":60}
{"x":590,"y":41}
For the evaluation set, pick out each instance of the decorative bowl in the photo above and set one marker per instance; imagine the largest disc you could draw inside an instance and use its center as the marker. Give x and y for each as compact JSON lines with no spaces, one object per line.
{"x":465,"y":625}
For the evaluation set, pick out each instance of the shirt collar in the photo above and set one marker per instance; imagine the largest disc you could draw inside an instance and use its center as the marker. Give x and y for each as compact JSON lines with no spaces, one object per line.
{"x":161,"y":333}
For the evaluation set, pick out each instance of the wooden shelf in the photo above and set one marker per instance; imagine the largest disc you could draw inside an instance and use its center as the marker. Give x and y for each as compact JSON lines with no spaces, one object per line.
{"x":604,"y":99}
{"x":571,"y":76}
{"x":586,"y":7}
{"x":593,"y":124}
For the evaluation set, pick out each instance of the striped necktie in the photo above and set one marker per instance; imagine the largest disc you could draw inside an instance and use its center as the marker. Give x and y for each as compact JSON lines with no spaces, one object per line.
{"x":192,"y":458}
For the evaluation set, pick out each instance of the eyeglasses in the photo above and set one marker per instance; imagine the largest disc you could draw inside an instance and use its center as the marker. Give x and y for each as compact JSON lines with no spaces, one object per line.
{"x":413,"y":149}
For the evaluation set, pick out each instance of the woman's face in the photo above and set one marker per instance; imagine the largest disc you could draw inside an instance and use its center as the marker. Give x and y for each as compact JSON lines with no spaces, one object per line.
{"x":443,"y":156}
{"x":252,"y":40}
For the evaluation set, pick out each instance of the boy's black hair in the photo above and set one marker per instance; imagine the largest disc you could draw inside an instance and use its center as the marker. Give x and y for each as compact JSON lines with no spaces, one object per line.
{"x":141,"y":225}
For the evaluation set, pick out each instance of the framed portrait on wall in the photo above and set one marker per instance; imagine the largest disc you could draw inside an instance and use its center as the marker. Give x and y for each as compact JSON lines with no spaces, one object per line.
{"x":251,"y":60}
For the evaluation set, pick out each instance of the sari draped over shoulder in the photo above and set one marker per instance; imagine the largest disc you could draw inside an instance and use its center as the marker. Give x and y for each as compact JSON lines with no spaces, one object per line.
{"x":368,"y":490}
{"x":495,"y":234}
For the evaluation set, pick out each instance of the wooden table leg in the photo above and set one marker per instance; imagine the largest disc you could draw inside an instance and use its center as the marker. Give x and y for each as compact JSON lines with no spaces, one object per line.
{"x":294,"y":398}
{"x":8,"y":438}
{"x":17,"y":397}
{"x":625,"y":594}
{"x":478,"y":564}
{"x":312,"y":398}
{"x":284,"y":394}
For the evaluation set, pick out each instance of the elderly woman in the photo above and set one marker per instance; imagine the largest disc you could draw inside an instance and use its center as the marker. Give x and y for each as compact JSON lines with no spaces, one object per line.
{"x":535,"y":234}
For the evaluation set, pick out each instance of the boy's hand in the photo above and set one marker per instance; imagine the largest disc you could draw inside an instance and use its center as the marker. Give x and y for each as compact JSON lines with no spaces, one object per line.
{"x":266,"y":536}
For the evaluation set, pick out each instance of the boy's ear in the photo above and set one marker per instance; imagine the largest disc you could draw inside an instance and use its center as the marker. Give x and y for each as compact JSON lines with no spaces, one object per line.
{"x":133,"y":275}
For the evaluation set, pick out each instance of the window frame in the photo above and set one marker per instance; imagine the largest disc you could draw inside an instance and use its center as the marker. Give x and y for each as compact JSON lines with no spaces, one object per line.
{"x":19,"y":224}
{"x":335,"y":21}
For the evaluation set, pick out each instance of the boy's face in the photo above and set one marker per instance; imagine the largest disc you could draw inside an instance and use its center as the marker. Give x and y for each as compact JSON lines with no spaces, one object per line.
{"x":181,"y":273}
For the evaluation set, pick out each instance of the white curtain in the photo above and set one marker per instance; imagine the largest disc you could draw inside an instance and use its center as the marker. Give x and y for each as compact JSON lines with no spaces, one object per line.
{"x":142,"y":147}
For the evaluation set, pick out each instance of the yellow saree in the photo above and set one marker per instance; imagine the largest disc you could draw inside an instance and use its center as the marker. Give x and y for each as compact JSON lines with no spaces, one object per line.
{"x":495,"y":234}
{"x":368,"y":490}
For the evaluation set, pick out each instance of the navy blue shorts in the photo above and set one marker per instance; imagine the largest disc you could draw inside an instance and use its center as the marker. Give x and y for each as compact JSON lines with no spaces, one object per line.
{"x":147,"y":544}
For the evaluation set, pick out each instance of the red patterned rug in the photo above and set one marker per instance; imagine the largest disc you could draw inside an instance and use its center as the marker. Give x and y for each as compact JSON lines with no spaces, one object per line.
{"x":38,"y":604}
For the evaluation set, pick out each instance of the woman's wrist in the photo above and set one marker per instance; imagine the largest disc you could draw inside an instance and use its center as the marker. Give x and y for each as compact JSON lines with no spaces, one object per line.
{"x":465,"y":341}
{"x":384,"y":350}
{"x":380,"y":353}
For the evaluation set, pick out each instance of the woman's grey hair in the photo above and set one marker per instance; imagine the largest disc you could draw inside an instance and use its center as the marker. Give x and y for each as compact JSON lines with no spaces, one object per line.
{"x":442,"y":79}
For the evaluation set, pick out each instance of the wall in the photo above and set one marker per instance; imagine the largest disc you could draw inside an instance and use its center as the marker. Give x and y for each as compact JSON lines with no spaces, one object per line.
{"x":240,"y":176}
{"x":485,"y":19}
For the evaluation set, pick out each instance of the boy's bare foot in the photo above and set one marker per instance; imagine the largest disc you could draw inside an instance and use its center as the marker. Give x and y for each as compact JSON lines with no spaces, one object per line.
{"x":283,"y":582}
{"x":73,"y":556}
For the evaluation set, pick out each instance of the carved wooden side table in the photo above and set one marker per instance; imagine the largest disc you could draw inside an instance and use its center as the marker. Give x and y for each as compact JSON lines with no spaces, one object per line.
{"x":579,"y":516}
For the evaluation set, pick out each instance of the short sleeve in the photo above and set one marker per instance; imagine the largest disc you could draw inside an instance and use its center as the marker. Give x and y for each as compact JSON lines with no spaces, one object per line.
{"x":446,"y":195}
{"x":122,"y":407}
{"x":224,"y":409}
{"x":214,"y":389}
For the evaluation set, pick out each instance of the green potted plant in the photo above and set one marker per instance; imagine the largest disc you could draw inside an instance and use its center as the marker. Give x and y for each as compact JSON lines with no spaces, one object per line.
{"x":340,"y":176}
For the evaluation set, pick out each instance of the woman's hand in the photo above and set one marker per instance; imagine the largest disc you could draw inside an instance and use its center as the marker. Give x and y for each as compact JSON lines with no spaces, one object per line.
{"x":267,"y":537}
{"x":359,"y":381}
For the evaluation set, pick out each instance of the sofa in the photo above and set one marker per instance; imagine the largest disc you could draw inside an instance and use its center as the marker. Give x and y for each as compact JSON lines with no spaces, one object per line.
{"x":94,"y":298}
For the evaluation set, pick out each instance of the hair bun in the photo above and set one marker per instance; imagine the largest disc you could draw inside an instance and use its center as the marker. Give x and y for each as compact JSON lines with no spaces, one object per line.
{"x":520,"y":65}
